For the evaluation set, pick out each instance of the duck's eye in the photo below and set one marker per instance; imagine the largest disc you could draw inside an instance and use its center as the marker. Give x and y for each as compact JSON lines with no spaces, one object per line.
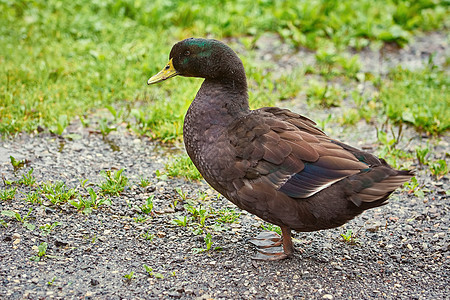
{"x":187,"y":53}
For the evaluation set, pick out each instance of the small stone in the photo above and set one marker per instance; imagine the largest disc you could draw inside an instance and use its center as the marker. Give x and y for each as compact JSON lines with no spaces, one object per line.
{"x":327,"y":296}
{"x":15,"y":236}
{"x":35,"y":280}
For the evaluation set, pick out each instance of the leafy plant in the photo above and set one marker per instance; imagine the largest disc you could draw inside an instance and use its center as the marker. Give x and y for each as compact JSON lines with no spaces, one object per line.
{"x":33,"y":197}
{"x":28,"y":178}
{"x":439,"y":168}
{"x":17,"y":164}
{"x":60,"y":125}
{"x":208,"y":243}
{"x":412,"y":186}
{"x":182,"y":166}
{"x":421,"y":154}
{"x":115,"y":182}
{"x":8,"y":194}
{"x":47,"y":228}
{"x":104,"y":127}
{"x":18,"y":217}
{"x":349,"y":237}
{"x":148,"y":206}
{"x":92,"y":202}
{"x":57,"y":193}
{"x":180,"y":221}
{"x":148,"y":236}
{"x":144,"y":182}
{"x":41,"y":252}
{"x":151,"y":273}
{"x":271,"y":227}
{"x":129,"y":276}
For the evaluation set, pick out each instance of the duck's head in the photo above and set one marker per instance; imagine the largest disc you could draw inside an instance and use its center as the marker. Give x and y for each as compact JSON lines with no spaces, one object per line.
{"x":205,"y":58}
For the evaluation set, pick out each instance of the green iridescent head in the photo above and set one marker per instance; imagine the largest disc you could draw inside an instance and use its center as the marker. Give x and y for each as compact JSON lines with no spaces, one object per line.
{"x":205,"y":58}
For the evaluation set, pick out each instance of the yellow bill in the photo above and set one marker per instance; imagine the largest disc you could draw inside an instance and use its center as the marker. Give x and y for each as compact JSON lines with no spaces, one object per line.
{"x":166,"y":73}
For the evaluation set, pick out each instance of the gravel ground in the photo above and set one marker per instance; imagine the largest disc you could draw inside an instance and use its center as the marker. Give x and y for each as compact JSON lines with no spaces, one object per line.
{"x":401,"y":249}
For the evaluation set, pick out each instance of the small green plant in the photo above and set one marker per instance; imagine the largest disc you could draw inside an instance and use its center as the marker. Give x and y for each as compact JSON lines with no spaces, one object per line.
{"x":51,"y":281}
{"x":182,"y":166}
{"x":180,"y":221}
{"x":144,"y":182}
{"x":271,"y":227}
{"x":388,"y":150}
{"x":141,"y":218}
{"x":151,"y":273}
{"x":439,"y":168}
{"x":104,"y":127}
{"x":47,"y":228}
{"x":183,"y":195}
{"x":148,"y":236}
{"x":8,"y":194}
{"x":17,"y":164}
{"x":129,"y":276}
{"x":28,"y":178}
{"x":227,"y":215}
{"x":413,"y":187}
{"x":57,"y":193}
{"x":60,"y":126}
{"x":349,"y":237}
{"x":148,"y":206}
{"x":208,"y":243}
{"x":3,"y":222}
{"x":421,"y":154}
{"x":41,"y":252}
{"x":33,"y":197}
{"x":115,"y":182}
{"x":92,"y":202}
{"x":18,"y":217}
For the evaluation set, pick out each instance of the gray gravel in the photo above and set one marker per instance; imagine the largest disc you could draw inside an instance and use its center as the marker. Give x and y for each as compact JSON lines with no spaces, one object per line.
{"x":401,"y":251}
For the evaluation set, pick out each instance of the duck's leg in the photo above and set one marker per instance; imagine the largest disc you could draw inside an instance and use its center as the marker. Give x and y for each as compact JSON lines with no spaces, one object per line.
{"x":271,"y":246}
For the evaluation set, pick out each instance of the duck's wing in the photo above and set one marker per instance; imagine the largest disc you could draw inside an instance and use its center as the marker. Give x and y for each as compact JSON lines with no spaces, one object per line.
{"x":283,"y":150}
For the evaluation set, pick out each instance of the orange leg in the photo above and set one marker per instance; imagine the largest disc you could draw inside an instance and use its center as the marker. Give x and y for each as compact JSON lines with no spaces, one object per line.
{"x":272,"y":246}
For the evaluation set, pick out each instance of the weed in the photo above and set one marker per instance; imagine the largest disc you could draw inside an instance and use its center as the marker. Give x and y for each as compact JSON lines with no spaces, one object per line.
{"x":418,"y":97}
{"x":104,"y":127}
{"x":115,"y":182}
{"x":439,"y":168}
{"x":141,"y":219}
{"x":227,"y":215}
{"x":148,"y":206}
{"x":144,"y":182}
{"x":182,"y":166}
{"x":3,"y":222}
{"x":51,"y":281}
{"x":28,"y":178}
{"x":421,"y":154}
{"x":151,"y":273}
{"x":180,"y":221}
{"x":18,"y":217}
{"x":148,"y":236}
{"x":183,"y":195}
{"x":412,"y":186}
{"x":47,"y":228}
{"x":8,"y":194}
{"x":41,"y":252}
{"x":87,"y":204}
{"x":388,"y":150}
{"x":349,"y":237}
{"x":129,"y":276}
{"x":271,"y":227}
{"x":33,"y":197}
{"x":17,"y":164}
{"x":57,"y":193}
{"x":208,"y":243}
{"x":59,"y":127}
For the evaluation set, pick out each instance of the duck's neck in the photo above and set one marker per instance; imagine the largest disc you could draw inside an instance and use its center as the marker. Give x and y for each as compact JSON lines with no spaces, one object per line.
{"x":222,"y":101}
{"x":215,"y":107}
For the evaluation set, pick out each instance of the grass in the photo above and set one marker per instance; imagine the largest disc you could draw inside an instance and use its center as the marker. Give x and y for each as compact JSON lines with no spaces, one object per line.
{"x":420,"y":98}
{"x":62,"y":60}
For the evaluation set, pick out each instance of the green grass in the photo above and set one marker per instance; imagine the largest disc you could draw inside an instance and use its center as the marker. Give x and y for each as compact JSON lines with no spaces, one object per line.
{"x":182,"y":166}
{"x":63,"y":59}
{"x":420,"y":98}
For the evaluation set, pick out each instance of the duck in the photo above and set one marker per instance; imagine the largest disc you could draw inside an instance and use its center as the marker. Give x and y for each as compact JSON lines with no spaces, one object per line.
{"x":272,"y":162}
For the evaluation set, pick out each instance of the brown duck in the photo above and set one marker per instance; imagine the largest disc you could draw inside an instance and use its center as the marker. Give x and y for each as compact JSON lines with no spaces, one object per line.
{"x":271,"y":162}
